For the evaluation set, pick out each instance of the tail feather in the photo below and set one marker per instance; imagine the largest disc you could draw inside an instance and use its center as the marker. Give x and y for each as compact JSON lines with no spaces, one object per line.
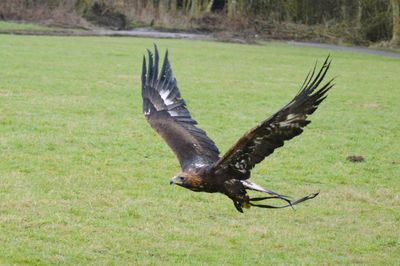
{"x":290,"y":203}
{"x":253,"y":186}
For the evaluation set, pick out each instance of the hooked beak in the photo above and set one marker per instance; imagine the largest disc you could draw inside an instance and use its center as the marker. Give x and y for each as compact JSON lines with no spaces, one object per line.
{"x":175,"y":181}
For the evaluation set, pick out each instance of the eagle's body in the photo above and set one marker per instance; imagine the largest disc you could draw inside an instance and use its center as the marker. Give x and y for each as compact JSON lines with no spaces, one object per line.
{"x":203,"y":170}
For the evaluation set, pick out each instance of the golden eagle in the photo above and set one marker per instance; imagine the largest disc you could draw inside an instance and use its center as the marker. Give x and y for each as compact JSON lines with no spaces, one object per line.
{"x":202,"y":167}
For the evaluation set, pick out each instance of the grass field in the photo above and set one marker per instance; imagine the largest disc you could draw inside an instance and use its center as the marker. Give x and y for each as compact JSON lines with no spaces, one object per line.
{"x":84,"y":179}
{"x":7,"y":25}
{"x":34,"y":28}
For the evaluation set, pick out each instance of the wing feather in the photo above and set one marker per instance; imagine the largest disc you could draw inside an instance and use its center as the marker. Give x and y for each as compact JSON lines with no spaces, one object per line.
{"x":166,"y":112}
{"x":284,"y":125}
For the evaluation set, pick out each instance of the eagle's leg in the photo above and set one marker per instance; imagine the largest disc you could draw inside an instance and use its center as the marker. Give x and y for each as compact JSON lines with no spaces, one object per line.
{"x":241,"y":201}
{"x":235,"y":190}
{"x":238,"y":206}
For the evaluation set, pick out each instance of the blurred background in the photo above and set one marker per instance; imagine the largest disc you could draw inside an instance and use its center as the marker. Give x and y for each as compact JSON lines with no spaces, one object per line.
{"x":373,"y":23}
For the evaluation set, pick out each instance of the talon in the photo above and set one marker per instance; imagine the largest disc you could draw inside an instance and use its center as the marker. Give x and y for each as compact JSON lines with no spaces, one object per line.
{"x":238,"y":206}
{"x":246,"y":205}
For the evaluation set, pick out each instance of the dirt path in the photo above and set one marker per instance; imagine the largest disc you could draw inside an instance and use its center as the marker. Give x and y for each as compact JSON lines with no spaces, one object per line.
{"x":144,"y":32}
{"x":347,"y":49}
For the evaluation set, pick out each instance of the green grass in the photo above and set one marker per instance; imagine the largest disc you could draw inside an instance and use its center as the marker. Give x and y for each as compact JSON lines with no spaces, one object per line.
{"x":10,"y":25}
{"x":24,"y":27}
{"x":84,"y":179}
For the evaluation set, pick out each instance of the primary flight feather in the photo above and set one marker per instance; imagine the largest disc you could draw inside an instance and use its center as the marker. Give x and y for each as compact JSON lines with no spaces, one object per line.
{"x":202,"y":167}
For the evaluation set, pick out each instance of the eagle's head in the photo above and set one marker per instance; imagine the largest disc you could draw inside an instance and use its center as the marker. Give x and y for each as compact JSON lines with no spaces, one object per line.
{"x":187,"y":180}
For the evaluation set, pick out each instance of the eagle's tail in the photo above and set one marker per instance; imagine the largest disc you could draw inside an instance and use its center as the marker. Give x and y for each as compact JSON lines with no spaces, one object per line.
{"x":253,"y":186}
{"x":290,"y":203}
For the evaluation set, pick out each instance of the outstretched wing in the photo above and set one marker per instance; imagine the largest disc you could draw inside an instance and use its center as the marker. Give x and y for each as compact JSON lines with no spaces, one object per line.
{"x":270,"y":134}
{"x":166,"y":112}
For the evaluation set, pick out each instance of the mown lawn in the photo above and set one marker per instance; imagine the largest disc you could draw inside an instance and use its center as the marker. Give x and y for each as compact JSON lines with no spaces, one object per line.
{"x":84,"y":179}
{"x":9,"y":25}
{"x":30,"y":28}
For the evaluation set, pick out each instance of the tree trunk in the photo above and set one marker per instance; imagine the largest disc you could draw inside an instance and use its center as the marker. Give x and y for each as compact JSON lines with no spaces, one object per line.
{"x":359,"y":14}
{"x":235,"y":8}
{"x":232,"y":6}
{"x":195,"y":8}
{"x":346,"y":12}
{"x":209,"y":6}
{"x":173,"y":6}
{"x":186,"y":6}
{"x":163,"y":6}
{"x":82,"y":5}
{"x":396,"y":22}
{"x":291,"y":7}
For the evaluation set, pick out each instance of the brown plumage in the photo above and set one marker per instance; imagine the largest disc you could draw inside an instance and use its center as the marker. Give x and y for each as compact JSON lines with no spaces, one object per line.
{"x":202,"y":168}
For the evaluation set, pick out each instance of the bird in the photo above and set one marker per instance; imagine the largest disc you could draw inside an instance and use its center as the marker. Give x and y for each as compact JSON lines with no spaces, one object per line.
{"x":202,"y":167}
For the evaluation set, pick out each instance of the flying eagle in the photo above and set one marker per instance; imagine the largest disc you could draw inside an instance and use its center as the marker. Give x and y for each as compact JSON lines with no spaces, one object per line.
{"x":202,"y":167}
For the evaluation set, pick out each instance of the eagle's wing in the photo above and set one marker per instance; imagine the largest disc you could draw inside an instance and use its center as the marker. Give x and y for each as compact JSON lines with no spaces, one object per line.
{"x":270,"y":134}
{"x":166,"y":112}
